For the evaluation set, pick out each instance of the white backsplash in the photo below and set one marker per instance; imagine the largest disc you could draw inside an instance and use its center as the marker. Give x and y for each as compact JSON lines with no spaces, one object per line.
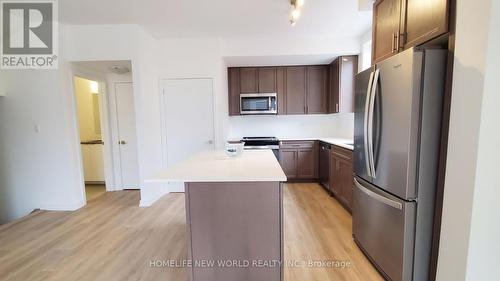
{"x":291,"y":126}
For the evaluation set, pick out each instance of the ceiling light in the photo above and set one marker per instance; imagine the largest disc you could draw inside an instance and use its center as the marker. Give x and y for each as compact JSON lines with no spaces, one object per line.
{"x":94,"y":87}
{"x":295,"y":14}
{"x":118,"y":69}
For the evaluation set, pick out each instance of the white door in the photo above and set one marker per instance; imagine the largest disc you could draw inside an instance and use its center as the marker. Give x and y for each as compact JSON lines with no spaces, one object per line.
{"x":188,"y":110}
{"x":127,"y":137}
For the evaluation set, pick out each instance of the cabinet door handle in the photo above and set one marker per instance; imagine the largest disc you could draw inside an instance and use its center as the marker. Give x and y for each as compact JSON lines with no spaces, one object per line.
{"x":392,"y":43}
{"x":397,"y":41}
{"x":337,"y":107}
{"x":394,"y":36}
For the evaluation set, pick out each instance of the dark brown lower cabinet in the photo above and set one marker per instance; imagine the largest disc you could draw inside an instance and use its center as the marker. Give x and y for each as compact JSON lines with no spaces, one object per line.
{"x":341,"y":175}
{"x":229,"y":221}
{"x":288,"y":161}
{"x":299,"y":159}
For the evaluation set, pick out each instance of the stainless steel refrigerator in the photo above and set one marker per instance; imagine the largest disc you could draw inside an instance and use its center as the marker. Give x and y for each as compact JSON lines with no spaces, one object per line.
{"x":398,"y":106}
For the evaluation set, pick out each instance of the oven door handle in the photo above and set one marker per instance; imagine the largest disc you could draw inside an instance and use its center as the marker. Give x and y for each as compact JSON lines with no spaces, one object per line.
{"x":255,"y":147}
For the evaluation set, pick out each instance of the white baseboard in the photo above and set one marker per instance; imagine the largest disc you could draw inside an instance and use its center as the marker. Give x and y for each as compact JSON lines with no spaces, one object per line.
{"x":62,"y":207}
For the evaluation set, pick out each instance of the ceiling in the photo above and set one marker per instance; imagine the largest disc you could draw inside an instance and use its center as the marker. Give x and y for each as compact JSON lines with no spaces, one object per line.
{"x":222,"y":18}
{"x":103,"y":67}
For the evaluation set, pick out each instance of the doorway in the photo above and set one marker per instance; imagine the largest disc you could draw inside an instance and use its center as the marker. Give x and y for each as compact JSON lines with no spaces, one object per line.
{"x":109,"y":157}
{"x":188,"y":120}
{"x":88,"y":103}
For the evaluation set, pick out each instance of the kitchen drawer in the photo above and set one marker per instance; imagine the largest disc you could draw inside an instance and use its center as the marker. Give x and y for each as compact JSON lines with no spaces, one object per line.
{"x":297,"y":144}
{"x":383,"y":225}
{"x":342,"y":152}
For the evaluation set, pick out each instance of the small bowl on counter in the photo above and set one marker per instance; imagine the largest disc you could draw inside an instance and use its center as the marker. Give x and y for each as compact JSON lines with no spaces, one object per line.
{"x":234,"y":148}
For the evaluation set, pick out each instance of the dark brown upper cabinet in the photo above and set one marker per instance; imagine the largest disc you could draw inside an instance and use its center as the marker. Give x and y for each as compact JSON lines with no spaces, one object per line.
{"x":295,"y":88}
{"x":300,"y":89}
{"x":280,"y":90}
{"x":257,"y":80}
{"x":386,"y":28}
{"x":425,"y":20}
{"x":342,"y":73}
{"x":233,"y":74}
{"x":248,"y":80}
{"x":267,"y":79}
{"x":402,"y":24}
{"x":317,"y":89}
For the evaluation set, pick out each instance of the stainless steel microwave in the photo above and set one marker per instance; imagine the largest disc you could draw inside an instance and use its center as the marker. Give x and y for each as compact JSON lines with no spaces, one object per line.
{"x":252,"y":104}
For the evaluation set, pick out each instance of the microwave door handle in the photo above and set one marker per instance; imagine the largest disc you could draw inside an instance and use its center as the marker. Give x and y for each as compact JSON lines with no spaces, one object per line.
{"x":365,"y":123}
{"x":269,"y":104}
{"x":241,"y":105}
{"x":371,"y":157}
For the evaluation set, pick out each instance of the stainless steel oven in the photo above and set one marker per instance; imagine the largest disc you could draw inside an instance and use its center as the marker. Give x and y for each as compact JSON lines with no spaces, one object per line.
{"x":252,"y":104}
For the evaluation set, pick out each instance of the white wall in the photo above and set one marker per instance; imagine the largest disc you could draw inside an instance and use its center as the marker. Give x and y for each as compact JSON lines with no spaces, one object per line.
{"x":290,"y":126}
{"x":85,"y":107}
{"x":129,"y":42}
{"x":42,"y":170}
{"x":365,"y":55}
{"x":484,"y":246}
{"x":38,"y":169}
{"x":295,"y":46}
{"x":469,"y":246}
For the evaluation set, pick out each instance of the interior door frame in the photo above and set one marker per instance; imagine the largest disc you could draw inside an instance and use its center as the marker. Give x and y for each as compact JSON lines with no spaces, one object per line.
{"x":106,"y":135}
{"x":163,"y":114}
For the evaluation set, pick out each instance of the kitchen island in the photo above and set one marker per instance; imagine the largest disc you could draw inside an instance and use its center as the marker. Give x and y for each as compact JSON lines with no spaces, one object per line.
{"x":233,"y":215}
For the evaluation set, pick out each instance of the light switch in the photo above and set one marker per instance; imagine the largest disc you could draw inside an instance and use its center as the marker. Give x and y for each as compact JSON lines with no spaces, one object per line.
{"x":37,"y":128}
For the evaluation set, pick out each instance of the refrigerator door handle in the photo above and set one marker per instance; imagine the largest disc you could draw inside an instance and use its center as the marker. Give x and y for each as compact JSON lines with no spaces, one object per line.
{"x":378,"y":197}
{"x":371,"y":158}
{"x":365,"y":129}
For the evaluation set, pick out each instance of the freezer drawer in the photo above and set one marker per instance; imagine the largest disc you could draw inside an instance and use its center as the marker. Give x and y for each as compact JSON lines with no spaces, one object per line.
{"x":383,"y":226}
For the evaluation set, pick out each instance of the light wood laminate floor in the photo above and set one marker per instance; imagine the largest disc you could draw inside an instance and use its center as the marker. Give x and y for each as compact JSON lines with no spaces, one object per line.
{"x":113,"y":239}
{"x":92,"y":191}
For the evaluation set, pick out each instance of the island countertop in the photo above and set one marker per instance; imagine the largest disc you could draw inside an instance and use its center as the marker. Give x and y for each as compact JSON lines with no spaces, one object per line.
{"x":216,"y":166}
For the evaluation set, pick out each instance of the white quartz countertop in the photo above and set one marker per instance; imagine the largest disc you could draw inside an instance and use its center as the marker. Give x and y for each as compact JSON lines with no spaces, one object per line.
{"x":216,"y":166}
{"x":345,"y":143}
